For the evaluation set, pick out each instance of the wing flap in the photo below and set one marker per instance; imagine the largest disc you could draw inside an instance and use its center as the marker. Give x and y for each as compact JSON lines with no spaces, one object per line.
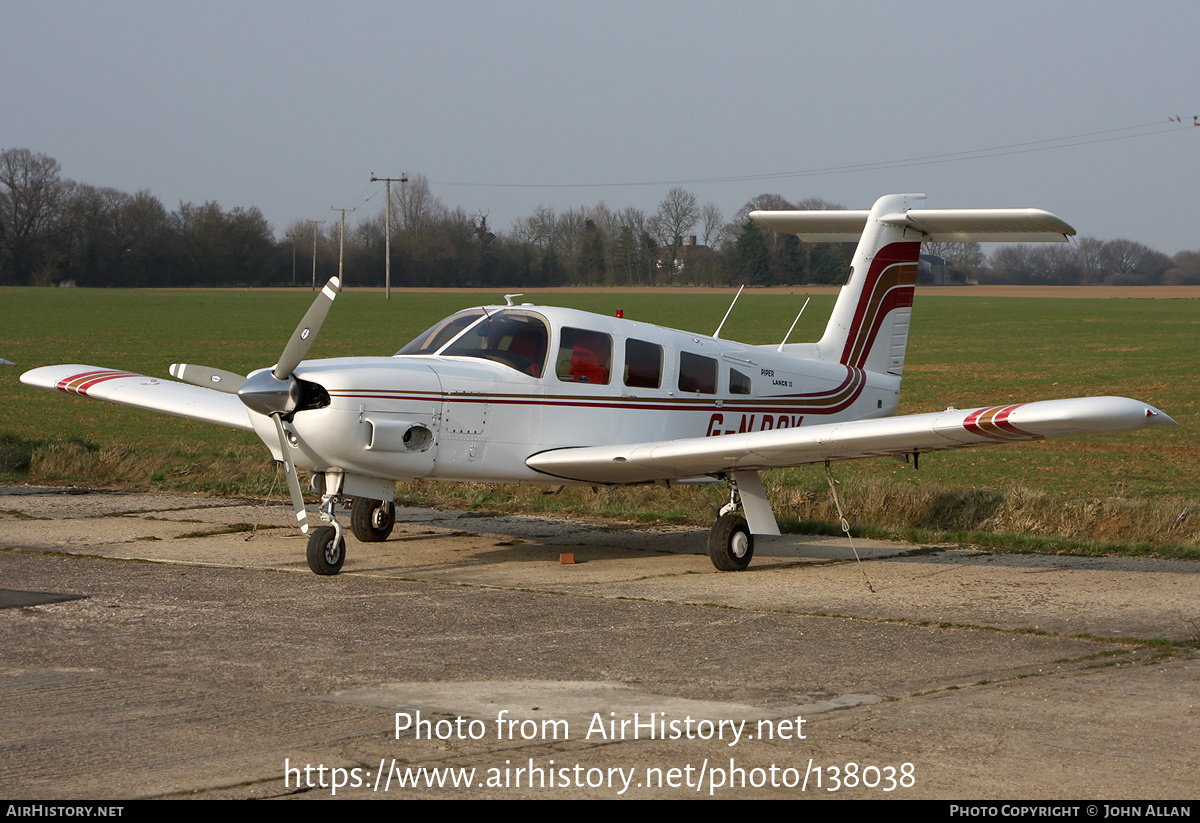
{"x":750,"y":451}
{"x":138,"y":390}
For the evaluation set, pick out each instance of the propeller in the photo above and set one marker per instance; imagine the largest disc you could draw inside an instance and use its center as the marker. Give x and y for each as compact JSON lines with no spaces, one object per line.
{"x":306,"y":332}
{"x":276,"y":392}
{"x":208,"y":377}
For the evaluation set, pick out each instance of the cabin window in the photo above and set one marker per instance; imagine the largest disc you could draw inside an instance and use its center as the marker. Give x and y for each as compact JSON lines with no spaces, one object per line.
{"x":441,"y":333}
{"x":517,"y":339}
{"x":697,"y":373}
{"x":584,"y":356}
{"x":643,"y":364}
{"x":738,"y":383}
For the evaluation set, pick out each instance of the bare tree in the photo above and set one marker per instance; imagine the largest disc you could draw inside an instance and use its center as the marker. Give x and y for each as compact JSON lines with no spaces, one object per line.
{"x":632,"y":218}
{"x":416,"y":209}
{"x":677,"y":215}
{"x":712,"y":220}
{"x":571,"y":224}
{"x":1089,"y":259}
{"x":1129,"y":257}
{"x":32,"y":199}
{"x":763,"y":202}
{"x":817,"y":204}
{"x":539,"y":229}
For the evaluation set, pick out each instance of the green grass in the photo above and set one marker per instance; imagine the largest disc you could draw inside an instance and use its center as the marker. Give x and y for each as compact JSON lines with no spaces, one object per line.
{"x":964,"y":351}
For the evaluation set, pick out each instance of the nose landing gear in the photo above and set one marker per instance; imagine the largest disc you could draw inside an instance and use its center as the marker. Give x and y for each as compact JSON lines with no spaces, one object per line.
{"x":371,"y":521}
{"x":327,"y":543}
{"x":326,"y":550}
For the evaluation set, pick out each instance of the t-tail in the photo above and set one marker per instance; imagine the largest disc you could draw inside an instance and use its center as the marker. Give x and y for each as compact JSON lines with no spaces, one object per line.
{"x":868,"y":329}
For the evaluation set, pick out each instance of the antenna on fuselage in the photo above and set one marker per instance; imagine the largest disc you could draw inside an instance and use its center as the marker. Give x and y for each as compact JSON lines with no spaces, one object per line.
{"x":508,"y":298}
{"x":794,"y":322}
{"x":717,"y":333}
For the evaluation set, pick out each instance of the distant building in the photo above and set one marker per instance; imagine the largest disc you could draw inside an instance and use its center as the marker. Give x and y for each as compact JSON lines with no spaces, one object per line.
{"x":689,"y":252}
{"x":933,"y":270}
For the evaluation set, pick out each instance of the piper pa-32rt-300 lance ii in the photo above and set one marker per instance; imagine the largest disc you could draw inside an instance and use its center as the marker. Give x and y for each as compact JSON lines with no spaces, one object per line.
{"x":538,"y":394}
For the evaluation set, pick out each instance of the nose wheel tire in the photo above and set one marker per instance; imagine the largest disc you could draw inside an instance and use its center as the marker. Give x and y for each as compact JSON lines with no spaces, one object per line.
{"x":730,"y":543}
{"x":372,"y":520}
{"x":326,"y":551}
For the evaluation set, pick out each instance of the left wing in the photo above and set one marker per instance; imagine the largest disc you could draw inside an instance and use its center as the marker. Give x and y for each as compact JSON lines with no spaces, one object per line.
{"x":753,"y":451}
{"x":140,"y":391}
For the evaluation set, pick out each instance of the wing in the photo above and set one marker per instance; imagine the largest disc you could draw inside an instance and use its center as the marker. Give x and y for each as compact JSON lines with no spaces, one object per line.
{"x":140,"y":391}
{"x":752,"y":451}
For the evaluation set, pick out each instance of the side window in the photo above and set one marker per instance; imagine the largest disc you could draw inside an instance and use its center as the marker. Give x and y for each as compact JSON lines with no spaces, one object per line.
{"x":643,"y":364}
{"x":584,"y":356}
{"x":697,"y":373}
{"x":738,"y":382}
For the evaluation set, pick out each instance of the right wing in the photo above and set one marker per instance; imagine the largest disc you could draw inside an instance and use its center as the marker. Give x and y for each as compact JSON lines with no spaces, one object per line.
{"x":753,"y":451}
{"x":140,"y":391}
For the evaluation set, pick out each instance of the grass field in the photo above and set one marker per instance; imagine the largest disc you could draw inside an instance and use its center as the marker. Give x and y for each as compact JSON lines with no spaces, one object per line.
{"x":963,"y":351}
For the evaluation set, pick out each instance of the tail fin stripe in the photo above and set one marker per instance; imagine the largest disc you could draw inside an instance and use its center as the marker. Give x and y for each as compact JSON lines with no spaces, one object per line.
{"x":888,"y":286}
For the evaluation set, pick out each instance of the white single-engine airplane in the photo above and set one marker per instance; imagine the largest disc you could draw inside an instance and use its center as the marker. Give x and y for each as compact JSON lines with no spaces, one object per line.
{"x":538,"y":394}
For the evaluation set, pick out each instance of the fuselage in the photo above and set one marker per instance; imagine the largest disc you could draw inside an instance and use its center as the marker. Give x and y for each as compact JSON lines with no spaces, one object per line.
{"x":479,"y":393}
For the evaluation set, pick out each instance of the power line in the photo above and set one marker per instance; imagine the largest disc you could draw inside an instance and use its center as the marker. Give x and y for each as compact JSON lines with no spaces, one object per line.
{"x":949,"y":157}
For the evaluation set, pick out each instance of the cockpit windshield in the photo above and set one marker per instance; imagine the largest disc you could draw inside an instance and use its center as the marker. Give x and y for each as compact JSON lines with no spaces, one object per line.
{"x":441,"y":332}
{"x":516,"y":338}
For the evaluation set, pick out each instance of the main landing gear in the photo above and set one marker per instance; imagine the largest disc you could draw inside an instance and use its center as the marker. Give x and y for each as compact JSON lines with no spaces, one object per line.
{"x":370,"y":520}
{"x":730,"y":543}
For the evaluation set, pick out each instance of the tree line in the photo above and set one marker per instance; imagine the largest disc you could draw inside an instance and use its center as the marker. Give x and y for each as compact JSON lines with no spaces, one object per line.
{"x":55,"y":231}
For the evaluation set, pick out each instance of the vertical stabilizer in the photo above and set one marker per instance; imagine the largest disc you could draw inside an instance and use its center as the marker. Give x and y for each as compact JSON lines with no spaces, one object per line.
{"x":869,"y":326}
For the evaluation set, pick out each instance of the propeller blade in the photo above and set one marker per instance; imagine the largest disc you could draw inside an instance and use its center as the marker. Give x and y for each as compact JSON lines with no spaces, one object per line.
{"x":208,"y":377}
{"x":289,"y":468}
{"x":306,"y":333}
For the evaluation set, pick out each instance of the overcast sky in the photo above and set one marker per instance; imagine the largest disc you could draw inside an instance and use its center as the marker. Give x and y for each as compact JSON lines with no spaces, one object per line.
{"x":291,"y":107}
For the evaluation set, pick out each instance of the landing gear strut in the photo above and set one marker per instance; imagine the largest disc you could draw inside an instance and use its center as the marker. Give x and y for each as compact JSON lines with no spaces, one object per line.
{"x":730,"y":543}
{"x":327,"y":543}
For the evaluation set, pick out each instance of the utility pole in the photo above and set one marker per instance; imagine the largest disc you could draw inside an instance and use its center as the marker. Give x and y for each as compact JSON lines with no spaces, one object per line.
{"x":387,"y":237}
{"x":315,"y":223}
{"x":342,"y":242}
{"x":294,"y":236}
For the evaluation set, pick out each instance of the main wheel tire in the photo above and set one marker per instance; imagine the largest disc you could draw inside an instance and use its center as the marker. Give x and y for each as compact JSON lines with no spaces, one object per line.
{"x":730,"y":543}
{"x":326,"y":552}
{"x":372,"y":520}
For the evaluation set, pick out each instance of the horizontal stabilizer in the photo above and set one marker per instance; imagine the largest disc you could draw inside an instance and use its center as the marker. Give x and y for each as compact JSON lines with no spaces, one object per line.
{"x":951,"y":429}
{"x":140,"y":391}
{"x":943,"y":225}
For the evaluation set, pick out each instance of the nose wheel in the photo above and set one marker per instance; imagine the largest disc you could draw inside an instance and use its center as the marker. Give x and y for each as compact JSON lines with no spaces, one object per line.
{"x":326,"y":550}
